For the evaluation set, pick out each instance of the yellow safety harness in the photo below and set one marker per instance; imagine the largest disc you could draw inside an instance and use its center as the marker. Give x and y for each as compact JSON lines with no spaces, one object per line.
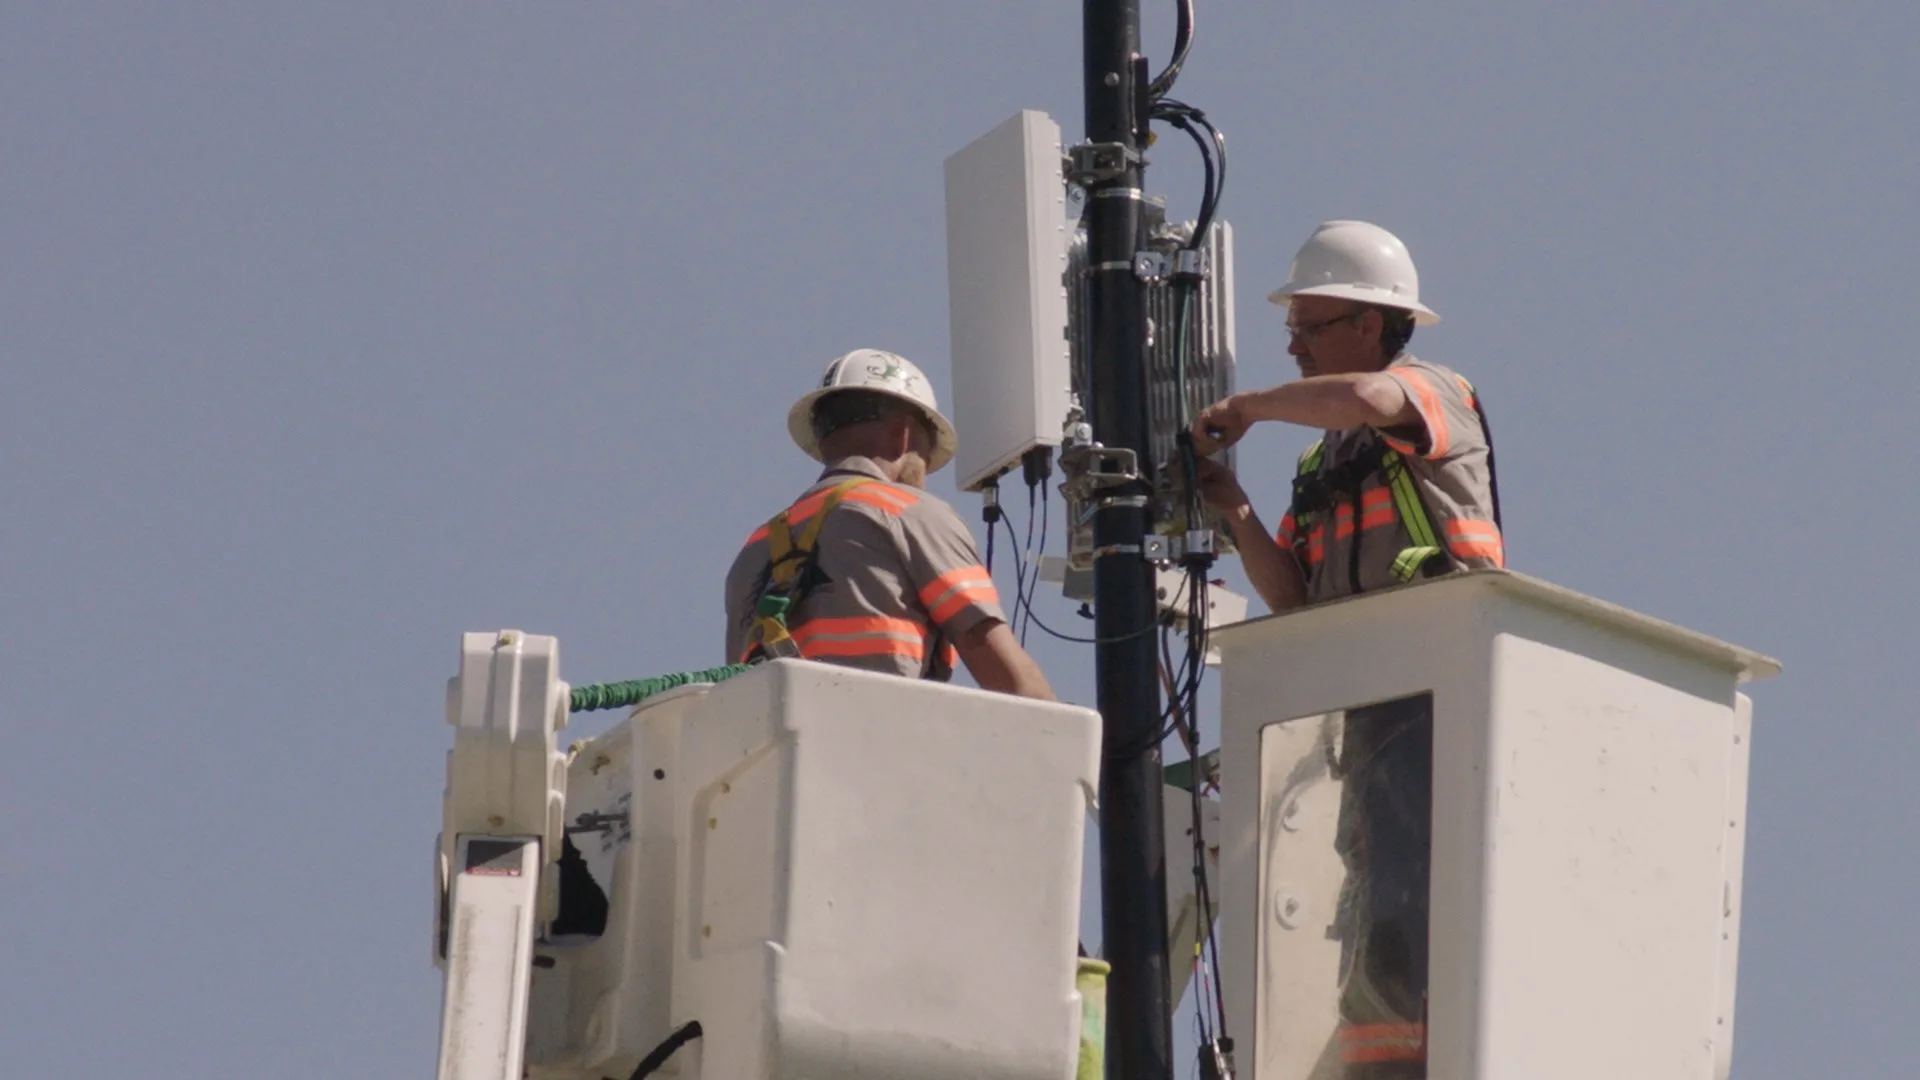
{"x":792,"y":572}
{"x":1316,"y":489}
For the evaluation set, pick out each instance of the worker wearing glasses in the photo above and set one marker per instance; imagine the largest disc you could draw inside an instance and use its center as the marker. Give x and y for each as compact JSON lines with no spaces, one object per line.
{"x":1401,"y":484}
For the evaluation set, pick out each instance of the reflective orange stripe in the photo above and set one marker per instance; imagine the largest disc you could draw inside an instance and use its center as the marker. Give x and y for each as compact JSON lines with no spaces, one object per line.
{"x":1467,"y":389}
{"x":1364,"y":1043}
{"x":1285,"y":534}
{"x":1317,"y":544}
{"x":886,"y":497}
{"x":1400,"y":446}
{"x":864,"y":646}
{"x":860,"y":635}
{"x":1468,"y":537}
{"x":1376,"y":509}
{"x":1427,"y":401}
{"x":950,"y":593}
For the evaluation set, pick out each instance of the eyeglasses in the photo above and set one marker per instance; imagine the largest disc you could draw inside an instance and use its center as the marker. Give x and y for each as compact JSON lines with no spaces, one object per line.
{"x":1309,"y":331}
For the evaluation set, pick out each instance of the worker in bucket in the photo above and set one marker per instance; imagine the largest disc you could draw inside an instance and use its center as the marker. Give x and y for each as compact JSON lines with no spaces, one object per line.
{"x":866,"y":569}
{"x":1399,"y":487}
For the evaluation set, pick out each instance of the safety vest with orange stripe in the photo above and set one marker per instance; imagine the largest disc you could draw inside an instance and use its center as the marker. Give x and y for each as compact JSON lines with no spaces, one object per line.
{"x":792,"y":573}
{"x":1372,"y":508}
{"x":907,"y":580}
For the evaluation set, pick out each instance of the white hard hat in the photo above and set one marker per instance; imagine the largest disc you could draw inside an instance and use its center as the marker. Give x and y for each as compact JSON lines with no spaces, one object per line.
{"x":880,"y":373}
{"x":1354,"y":260}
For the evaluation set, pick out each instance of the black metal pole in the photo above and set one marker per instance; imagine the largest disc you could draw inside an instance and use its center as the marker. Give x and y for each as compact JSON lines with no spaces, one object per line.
{"x":1132,"y":829}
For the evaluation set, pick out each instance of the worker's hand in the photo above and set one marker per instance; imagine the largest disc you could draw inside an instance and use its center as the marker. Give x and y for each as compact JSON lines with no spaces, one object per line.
{"x":1219,"y":425}
{"x":1220,"y":489}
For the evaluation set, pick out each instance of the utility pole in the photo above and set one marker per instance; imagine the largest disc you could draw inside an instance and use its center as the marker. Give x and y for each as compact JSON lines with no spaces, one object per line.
{"x":1132,"y":829}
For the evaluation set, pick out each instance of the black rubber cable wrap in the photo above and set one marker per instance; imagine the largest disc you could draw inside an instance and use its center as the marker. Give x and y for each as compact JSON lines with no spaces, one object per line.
{"x":650,"y":1064}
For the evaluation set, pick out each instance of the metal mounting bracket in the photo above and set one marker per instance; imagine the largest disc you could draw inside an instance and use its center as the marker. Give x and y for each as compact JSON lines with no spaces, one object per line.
{"x":1090,"y":163}
{"x":1092,"y":467}
{"x":1189,"y":264}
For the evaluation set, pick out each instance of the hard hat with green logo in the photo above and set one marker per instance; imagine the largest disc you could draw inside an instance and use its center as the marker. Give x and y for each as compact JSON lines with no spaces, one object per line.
{"x":876,"y":372}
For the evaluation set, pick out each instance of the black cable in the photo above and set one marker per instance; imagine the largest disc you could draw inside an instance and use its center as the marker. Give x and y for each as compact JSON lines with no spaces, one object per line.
{"x":1036,"y":465}
{"x":1209,"y":181}
{"x":1019,"y":576}
{"x":1185,"y":686}
{"x":1181,"y":115}
{"x":1182,"y":45}
{"x":1186,"y":679}
{"x":650,"y":1064}
{"x":1167,"y":109}
{"x":1219,"y":154}
{"x":990,"y":513}
{"x":1166,"y":659}
{"x":1203,"y":921}
{"x":1213,"y":159}
{"x":1025,"y":588}
{"x":1023,"y":603}
{"x":1040,"y":557}
{"x":1189,"y":731}
{"x":1197,"y":645}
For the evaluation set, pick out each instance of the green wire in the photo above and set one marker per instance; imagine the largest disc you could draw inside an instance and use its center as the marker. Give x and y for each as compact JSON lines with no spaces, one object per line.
{"x":620,"y":695}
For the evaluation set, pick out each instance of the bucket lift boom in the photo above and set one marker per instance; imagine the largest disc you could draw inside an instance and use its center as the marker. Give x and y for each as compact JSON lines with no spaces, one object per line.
{"x":505,"y":797}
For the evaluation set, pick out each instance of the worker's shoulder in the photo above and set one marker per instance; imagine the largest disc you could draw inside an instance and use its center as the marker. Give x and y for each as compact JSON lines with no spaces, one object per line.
{"x":931,"y":511}
{"x":1448,"y":378}
{"x":907,"y":509}
{"x":881,"y":498}
{"x":915,"y":516}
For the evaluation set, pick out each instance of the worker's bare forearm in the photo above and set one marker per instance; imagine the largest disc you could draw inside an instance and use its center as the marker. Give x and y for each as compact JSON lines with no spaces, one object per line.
{"x":1028,"y":681}
{"x":1271,"y":568}
{"x":997,"y":662}
{"x":1332,"y":402}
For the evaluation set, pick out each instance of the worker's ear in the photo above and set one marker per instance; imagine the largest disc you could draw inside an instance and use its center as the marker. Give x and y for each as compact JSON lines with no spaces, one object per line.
{"x":901,"y":435}
{"x":1371,"y":324}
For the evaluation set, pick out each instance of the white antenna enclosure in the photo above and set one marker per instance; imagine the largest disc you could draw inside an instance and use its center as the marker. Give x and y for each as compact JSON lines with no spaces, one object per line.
{"x":1007,"y":296}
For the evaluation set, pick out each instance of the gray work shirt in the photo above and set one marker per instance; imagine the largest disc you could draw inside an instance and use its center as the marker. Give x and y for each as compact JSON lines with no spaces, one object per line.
{"x":1447,"y":457}
{"x":902,"y":579}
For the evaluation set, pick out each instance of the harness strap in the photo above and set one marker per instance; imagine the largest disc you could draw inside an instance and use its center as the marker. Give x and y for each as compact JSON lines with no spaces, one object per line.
{"x":1310,"y":458}
{"x":1413,"y":514}
{"x":1315,"y":487}
{"x":789,"y":574}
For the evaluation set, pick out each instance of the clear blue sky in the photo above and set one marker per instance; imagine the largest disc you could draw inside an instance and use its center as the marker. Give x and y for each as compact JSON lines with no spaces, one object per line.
{"x":329,"y":331}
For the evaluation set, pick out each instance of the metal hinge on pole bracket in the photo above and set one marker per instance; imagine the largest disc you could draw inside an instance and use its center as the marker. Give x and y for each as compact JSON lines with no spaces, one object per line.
{"x":1197,"y":544}
{"x":1090,"y":163}
{"x":1091,"y":467}
{"x":1185,"y":264}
